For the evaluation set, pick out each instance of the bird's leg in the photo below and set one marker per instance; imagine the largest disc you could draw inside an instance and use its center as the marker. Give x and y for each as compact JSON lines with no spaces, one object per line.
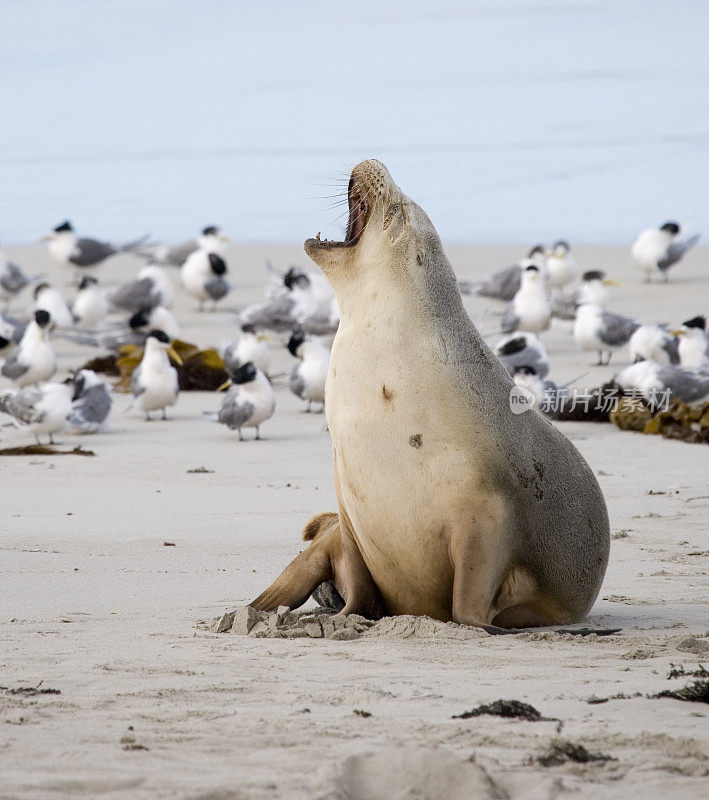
{"x":164,"y":413}
{"x":307,"y":410}
{"x":147,"y":416}
{"x":258,"y":433}
{"x":610,"y":355}
{"x":599,"y":363}
{"x":241,"y":436}
{"x":36,"y":437}
{"x":51,"y":438}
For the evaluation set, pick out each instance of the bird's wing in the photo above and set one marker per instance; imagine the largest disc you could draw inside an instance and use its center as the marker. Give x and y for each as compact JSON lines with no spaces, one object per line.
{"x":136,"y":386}
{"x":22,"y":405}
{"x":684,"y":385}
{"x":90,"y":251}
{"x":94,"y":405}
{"x":677,"y":250}
{"x":297,"y":384}
{"x":13,"y":368}
{"x":276,"y":315}
{"x":671,"y":346}
{"x":234,"y":413}
{"x":564,"y":303}
{"x":510,"y":320}
{"x":616,"y":329}
{"x":136,"y":295}
{"x":13,"y":279}
{"x":502,"y":285}
{"x":178,"y":255}
{"x":217,"y":288}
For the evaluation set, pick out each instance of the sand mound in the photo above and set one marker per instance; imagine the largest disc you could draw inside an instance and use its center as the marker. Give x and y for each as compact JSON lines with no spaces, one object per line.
{"x":323,"y":623}
{"x":414,"y":772}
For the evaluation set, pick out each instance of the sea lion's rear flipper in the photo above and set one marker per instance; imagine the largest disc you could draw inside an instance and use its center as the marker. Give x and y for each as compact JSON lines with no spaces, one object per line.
{"x":313,"y":567}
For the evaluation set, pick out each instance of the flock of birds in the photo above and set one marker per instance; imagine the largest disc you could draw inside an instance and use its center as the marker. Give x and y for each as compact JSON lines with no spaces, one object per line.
{"x":298,"y":303}
{"x":300,"y":308}
{"x":666,"y":362}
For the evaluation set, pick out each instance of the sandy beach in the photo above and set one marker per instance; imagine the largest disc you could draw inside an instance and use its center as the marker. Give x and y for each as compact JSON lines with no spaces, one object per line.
{"x":151,"y":703}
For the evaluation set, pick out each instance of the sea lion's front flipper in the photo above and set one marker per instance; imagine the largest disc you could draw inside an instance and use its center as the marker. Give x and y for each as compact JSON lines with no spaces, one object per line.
{"x":314,"y":566}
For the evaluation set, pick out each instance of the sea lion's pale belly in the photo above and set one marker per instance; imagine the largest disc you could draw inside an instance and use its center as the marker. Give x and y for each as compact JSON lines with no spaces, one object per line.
{"x":407,"y":477}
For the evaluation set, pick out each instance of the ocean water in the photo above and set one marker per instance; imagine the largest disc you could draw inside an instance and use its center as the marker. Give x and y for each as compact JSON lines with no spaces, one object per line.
{"x":508,"y":121}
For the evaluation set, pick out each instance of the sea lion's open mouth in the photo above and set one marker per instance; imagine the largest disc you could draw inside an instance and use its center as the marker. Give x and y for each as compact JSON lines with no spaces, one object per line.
{"x":359,"y":214}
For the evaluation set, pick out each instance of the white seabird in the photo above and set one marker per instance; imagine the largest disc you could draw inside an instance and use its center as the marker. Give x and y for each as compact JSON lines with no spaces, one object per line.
{"x":68,"y":250}
{"x":657,"y":249}
{"x":602,"y":331}
{"x":90,"y":401}
{"x":307,"y":379}
{"x":523,"y":350}
{"x":693,"y":348}
{"x":34,"y":359}
{"x":158,"y":318}
{"x":203,"y":277}
{"x":12,"y":279}
{"x":39,"y":409}
{"x":503,"y":285}
{"x":51,"y":300}
{"x":654,"y":343}
{"x":152,"y":287}
{"x":530,"y":309}
{"x":90,"y":305}
{"x":652,"y":381}
{"x":212,"y":240}
{"x":561,"y":265}
{"x":593,"y":288}
{"x":249,"y":347}
{"x":154,"y":383}
{"x":249,"y":402}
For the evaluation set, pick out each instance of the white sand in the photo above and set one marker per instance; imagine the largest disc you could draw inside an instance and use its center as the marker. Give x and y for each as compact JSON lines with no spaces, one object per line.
{"x":93,"y":604}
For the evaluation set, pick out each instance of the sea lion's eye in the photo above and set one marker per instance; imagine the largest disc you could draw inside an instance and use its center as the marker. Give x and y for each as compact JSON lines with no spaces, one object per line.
{"x":420,"y":257}
{"x":392,"y":211}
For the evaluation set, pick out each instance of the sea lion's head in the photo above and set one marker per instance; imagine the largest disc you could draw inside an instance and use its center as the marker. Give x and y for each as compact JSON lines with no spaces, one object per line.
{"x":386,"y":230}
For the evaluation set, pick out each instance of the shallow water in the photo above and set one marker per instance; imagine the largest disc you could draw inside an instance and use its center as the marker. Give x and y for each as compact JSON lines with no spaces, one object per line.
{"x":508,"y":121}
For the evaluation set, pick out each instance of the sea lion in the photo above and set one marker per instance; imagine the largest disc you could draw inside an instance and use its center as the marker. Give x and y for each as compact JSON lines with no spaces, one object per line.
{"x":449,"y":505}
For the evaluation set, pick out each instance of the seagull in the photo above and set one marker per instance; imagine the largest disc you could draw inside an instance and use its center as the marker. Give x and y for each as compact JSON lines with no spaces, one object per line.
{"x":33,"y":360}
{"x":653,"y":381}
{"x":656,"y":249}
{"x":249,"y":402}
{"x":68,"y":250}
{"x":523,"y":350}
{"x":505,"y":284}
{"x":561,"y":265}
{"x":694,"y":343}
{"x":249,"y":347}
{"x":307,"y":379}
{"x":154,"y":383}
{"x":151,"y":287}
{"x":530,"y":309}
{"x":548,"y":397}
{"x":212,"y":240}
{"x":91,"y":305}
{"x":592,"y":289}
{"x":12,"y":279}
{"x":654,"y":343}
{"x":39,"y":409}
{"x":90,"y":401}
{"x":203,"y":277}
{"x":603,"y":331}
{"x":298,"y":300}
{"x":49,"y":299}
{"x":159,"y":318}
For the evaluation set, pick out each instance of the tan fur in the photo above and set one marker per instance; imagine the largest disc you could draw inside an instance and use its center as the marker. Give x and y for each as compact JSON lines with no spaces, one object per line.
{"x":449,"y":505}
